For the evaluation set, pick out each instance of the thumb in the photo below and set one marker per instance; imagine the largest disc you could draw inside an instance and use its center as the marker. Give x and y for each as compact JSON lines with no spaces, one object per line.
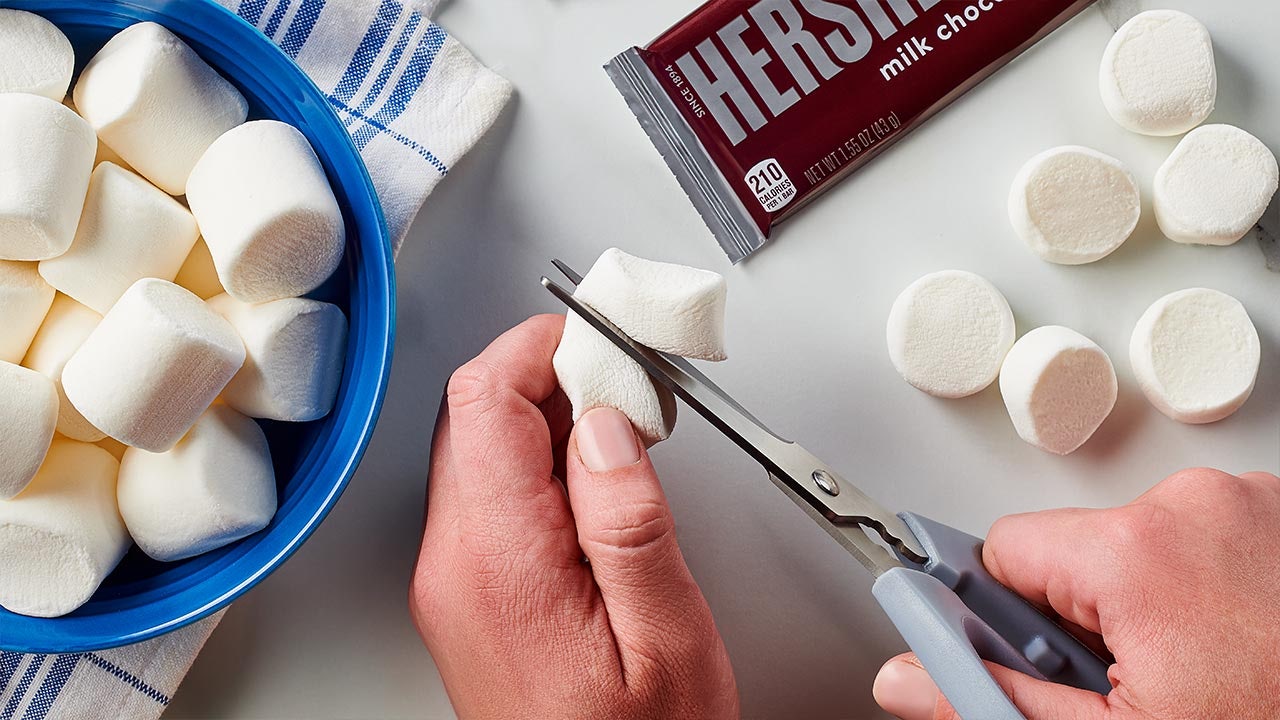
{"x":627,"y":533}
{"x":903,"y":688}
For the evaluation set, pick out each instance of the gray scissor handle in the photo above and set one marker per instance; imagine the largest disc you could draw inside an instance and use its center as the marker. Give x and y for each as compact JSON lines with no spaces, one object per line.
{"x":954,"y":615}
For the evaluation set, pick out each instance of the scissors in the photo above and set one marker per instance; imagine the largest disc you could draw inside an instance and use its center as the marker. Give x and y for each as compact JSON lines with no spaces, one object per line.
{"x":929,"y":577}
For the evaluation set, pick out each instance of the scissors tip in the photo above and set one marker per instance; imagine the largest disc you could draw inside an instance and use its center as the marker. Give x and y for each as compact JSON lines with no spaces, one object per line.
{"x":567,"y":271}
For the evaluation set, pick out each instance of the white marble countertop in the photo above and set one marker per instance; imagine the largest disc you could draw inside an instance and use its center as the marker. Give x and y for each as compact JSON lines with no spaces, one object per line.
{"x":567,"y":172}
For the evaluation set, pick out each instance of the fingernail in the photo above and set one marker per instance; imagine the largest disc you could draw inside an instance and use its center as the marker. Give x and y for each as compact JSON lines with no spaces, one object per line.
{"x":905,"y":690}
{"x":606,"y":440}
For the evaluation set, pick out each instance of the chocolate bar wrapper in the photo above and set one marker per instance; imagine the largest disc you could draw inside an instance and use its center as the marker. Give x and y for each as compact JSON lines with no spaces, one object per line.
{"x":759,"y":106}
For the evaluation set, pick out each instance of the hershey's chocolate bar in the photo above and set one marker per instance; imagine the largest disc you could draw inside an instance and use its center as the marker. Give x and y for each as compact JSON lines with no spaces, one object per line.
{"x":760,"y":105}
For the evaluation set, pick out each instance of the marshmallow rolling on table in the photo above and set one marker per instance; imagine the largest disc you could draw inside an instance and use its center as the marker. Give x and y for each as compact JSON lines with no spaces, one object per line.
{"x":445,"y":101}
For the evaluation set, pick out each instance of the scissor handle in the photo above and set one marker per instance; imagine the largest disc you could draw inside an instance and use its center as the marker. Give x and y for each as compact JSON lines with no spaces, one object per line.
{"x":954,"y":615}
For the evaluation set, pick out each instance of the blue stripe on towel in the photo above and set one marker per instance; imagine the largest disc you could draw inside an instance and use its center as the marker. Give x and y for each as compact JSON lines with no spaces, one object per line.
{"x":128,"y":678}
{"x":19,"y":692}
{"x":370,"y":45}
{"x":52,"y":686}
{"x":300,"y":29}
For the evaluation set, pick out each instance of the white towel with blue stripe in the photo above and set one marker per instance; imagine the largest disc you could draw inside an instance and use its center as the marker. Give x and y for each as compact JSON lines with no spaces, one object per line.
{"x":415,"y":101}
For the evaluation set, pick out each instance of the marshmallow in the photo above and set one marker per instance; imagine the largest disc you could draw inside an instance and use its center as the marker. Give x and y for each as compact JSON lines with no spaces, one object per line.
{"x":156,"y":103}
{"x":46,"y":152}
{"x":214,"y":487}
{"x":1058,"y":387}
{"x":113,"y":446}
{"x":68,"y":325}
{"x":198,"y":274}
{"x":35,"y":57}
{"x":153,"y":365}
{"x":667,"y":307}
{"x":594,"y":373}
{"x":1215,"y":186}
{"x":1196,"y":353}
{"x":949,"y":332}
{"x":129,"y":230}
{"x":24,"y":301}
{"x":295,"y":349}
{"x":61,"y":537}
{"x":28,"y":415}
{"x":1157,"y":75}
{"x":1072,"y":205}
{"x":267,"y":212}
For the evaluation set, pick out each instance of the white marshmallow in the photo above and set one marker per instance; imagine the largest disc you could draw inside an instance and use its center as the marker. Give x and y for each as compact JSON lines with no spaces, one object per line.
{"x":35,"y":57}
{"x":668,"y":307}
{"x":1215,"y":186}
{"x":1196,"y":354}
{"x":113,"y":446}
{"x":46,"y":154}
{"x":267,"y":212}
{"x":949,"y":332}
{"x":295,"y":349}
{"x":129,"y":230}
{"x":153,"y":365}
{"x":1072,"y":205}
{"x":68,"y":325}
{"x":24,"y":301}
{"x":61,"y":537}
{"x":593,"y":373}
{"x":198,"y":274}
{"x":214,"y":487}
{"x":105,"y":153}
{"x":156,"y":103}
{"x":1058,"y":387}
{"x":28,"y":416}
{"x":1157,"y":75}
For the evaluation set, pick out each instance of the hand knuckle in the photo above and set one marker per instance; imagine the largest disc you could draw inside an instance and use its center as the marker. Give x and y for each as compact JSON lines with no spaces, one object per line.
{"x":632,"y":526}
{"x":475,"y":382}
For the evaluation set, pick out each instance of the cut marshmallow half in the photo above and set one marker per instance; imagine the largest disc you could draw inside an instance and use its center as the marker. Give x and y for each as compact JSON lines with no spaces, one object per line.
{"x":46,"y":152}
{"x":28,"y":416}
{"x":66,"y":328}
{"x":1073,"y":205}
{"x":214,"y":487}
{"x":1157,"y":75}
{"x":156,"y":103}
{"x":1058,"y":387}
{"x":61,"y":537}
{"x":948,"y":333}
{"x":267,"y":213}
{"x":24,"y":302}
{"x":1215,"y":186}
{"x":129,"y":230}
{"x":152,"y":366}
{"x":295,"y":350}
{"x":1196,"y":354}
{"x":35,"y":57}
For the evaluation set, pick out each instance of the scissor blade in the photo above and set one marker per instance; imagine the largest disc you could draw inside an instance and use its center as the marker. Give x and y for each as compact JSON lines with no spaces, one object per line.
{"x":815,"y":485}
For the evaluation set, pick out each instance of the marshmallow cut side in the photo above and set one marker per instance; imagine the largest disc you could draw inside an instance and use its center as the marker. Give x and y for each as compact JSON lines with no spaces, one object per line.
{"x":28,"y":417}
{"x":1196,"y":354}
{"x":24,"y":302}
{"x":1073,"y":205}
{"x":1058,"y":387}
{"x":35,"y":57}
{"x":295,"y":350}
{"x":267,"y":212}
{"x":68,"y":325}
{"x":1214,"y":186}
{"x":157,"y":361}
{"x":949,"y":332}
{"x":156,"y":103}
{"x":61,"y":537}
{"x":1158,"y":75}
{"x":129,"y":230}
{"x":46,"y":151}
{"x":214,"y":487}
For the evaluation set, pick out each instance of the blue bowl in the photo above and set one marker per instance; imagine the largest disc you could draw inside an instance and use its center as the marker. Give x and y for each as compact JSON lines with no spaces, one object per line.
{"x":313,"y":461}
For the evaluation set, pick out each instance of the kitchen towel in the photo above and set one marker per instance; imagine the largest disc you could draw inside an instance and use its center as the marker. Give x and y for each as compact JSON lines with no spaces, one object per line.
{"x":415,"y":101}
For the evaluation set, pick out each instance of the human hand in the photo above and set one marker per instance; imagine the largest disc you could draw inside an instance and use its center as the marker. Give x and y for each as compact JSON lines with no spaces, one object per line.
{"x":1181,"y":585}
{"x":518,"y":624}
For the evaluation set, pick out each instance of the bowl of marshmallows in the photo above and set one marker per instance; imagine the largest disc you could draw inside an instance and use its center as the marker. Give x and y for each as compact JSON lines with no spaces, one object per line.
{"x":198,"y":312}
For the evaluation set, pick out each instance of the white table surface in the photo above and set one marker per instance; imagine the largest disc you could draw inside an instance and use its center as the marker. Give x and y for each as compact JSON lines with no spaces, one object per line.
{"x":567,"y":172}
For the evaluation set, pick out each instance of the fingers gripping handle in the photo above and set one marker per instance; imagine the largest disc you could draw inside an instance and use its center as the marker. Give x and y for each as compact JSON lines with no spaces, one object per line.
{"x":955,"y":559}
{"x":951,"y":643}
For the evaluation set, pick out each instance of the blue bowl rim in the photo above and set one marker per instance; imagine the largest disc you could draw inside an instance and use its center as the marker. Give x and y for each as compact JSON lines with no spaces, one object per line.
{"x":378,"y":253}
